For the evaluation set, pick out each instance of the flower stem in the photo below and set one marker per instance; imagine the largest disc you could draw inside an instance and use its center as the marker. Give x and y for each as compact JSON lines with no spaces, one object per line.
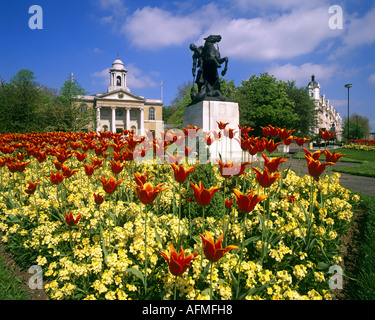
{"x":211,"y":296}
{"x":145,"y":267}
{"x":179,"y":215}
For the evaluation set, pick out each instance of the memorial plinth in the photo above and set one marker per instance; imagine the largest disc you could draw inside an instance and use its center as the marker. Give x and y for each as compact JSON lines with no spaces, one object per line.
{"x":206,"y":114}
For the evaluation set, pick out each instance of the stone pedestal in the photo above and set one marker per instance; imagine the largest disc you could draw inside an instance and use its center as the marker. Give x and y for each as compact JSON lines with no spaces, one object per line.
{"x":206,"y":114}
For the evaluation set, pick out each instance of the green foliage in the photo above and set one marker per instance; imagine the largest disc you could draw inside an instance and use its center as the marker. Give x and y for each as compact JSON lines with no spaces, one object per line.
{"x":367,"y":168}
{"x":26,"y":106}
{"x":359,"y":127}
{"x":10,"y":286}
{"x":262,"y":101}
{"x":18,"y":103}
{"x":303,"y":106}
{"x":174,"y":114}
{"x":206,"y":174}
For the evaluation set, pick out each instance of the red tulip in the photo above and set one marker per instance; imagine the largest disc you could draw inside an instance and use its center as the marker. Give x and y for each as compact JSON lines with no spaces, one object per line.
{"x":265,"y":179}
{"x":147,"y":193}
{"x":228,"y":203}
{"x":70,"y":220}
{"x":56,"y":178}
{"x":178,"y":263}
{"x":32,"y":187}
{"x":270,"y":131}
{"x":273,"y":163}
{"x":180,"y":173}
{"x":316,"y":168}
{"x":99,"y":199}
{"x":291,"y":199}
{"x":326,"y":135}
{"x":111,"y":184}
{"x":67,"y":173}
{"x":174,"y":158}
{"x":214,"y":251}
{"x":222,"y":125}
{"x":333,"y":157}
{"x":141,"y":179}
{"x":116,"y":167}
{"x":89,"y":168}
{"x":80,"y":155}
{"x":247,"y":203}
{"x":316,"y":155}
{"x":232,"y":169}
{"x":288,"y":140}
{"x":229,"y":133}
{"x":300,"y":141}
{"x":285,"y":133}
{"x":203,"y":196}
{"x":271,"y":146}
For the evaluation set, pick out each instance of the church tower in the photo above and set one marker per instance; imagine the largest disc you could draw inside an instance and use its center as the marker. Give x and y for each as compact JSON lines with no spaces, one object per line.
{"x":118,"y":76}
{"x":314,"y":89}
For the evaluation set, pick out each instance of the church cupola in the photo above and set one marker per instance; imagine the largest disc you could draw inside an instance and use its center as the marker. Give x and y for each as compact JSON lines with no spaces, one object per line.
{"x":314,"y":88}
{"x":118,"y":76}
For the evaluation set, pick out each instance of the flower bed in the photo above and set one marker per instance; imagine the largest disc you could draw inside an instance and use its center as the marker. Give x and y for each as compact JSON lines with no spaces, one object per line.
{"x":103,"y":226}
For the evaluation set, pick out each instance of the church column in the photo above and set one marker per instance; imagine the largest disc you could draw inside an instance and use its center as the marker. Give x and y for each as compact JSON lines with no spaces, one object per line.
{"x":98,"y":119}
{"x":113,"y":119}
{"x":127,"y":127}
{"x":142,"y":121}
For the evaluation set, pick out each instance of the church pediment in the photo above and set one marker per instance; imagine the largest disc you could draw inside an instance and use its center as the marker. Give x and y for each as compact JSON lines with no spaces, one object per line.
{"x":120,"y":95}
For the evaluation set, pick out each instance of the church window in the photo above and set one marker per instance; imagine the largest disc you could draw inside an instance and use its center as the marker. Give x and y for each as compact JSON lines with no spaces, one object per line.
{"x":119,"y":81}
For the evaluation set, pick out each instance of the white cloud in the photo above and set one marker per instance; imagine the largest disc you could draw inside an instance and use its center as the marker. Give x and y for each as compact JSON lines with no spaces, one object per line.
{"x":136,"y":78}
{"x":302,"y":74}
{"x":103,"y":76}
{"x":371,"y":78}
{"x":277,"y":37}
{"x":270,"y":5}
{"x":152,"y":28}
{"x":280,"y":36}
{"x":361,"y":30}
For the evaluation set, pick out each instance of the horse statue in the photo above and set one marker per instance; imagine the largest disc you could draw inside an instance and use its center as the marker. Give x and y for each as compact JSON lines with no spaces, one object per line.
{"x":207,"y":59}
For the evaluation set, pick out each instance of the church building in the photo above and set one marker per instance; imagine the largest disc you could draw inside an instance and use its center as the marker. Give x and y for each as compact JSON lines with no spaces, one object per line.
{"x":118,"y":109}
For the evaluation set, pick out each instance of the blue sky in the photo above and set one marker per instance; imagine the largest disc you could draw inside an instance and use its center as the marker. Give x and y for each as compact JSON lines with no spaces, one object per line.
{"x":290,"y":39}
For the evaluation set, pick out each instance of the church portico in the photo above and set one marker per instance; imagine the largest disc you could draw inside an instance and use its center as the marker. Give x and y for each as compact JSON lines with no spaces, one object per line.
{"x":118,"y":109}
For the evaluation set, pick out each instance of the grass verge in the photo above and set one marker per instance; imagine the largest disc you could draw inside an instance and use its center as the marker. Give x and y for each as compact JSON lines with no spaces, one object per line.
{"x":365,"y":158}
{"x":10,"y":285}
{"x":364,"y":287}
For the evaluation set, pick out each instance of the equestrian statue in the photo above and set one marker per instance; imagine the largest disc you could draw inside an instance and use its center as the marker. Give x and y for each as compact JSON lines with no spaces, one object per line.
{"x":207,"y":59}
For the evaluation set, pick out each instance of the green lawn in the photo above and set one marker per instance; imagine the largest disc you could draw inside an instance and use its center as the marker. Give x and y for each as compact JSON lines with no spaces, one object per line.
{"x":10,"y":286}
{"x":366,"y":158}
{"x":364,"y":286}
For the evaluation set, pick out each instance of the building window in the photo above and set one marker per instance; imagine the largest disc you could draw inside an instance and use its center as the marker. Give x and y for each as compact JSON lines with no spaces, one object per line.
{"x":119,"y":113}
{"x":119,"y":81}
{"x":105,"y":128}
{"x":151,"y":113}
{"x":83,"y":108}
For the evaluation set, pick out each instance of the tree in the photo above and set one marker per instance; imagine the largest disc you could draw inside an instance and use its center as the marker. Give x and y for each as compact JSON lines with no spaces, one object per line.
{"x":71,"y":114}
{"x":263,"y":101}
{"x":303,"y":106}
{"x":174,"y":114}
{"x":19,"y":100}
{"x":359,"y":127}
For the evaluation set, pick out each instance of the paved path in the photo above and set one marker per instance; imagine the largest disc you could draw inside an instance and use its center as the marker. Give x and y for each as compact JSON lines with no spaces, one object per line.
{"x":354,"y":183}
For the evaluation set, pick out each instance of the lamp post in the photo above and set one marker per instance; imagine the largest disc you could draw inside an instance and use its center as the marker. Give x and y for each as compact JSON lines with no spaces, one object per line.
{"x":349,"y":85}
